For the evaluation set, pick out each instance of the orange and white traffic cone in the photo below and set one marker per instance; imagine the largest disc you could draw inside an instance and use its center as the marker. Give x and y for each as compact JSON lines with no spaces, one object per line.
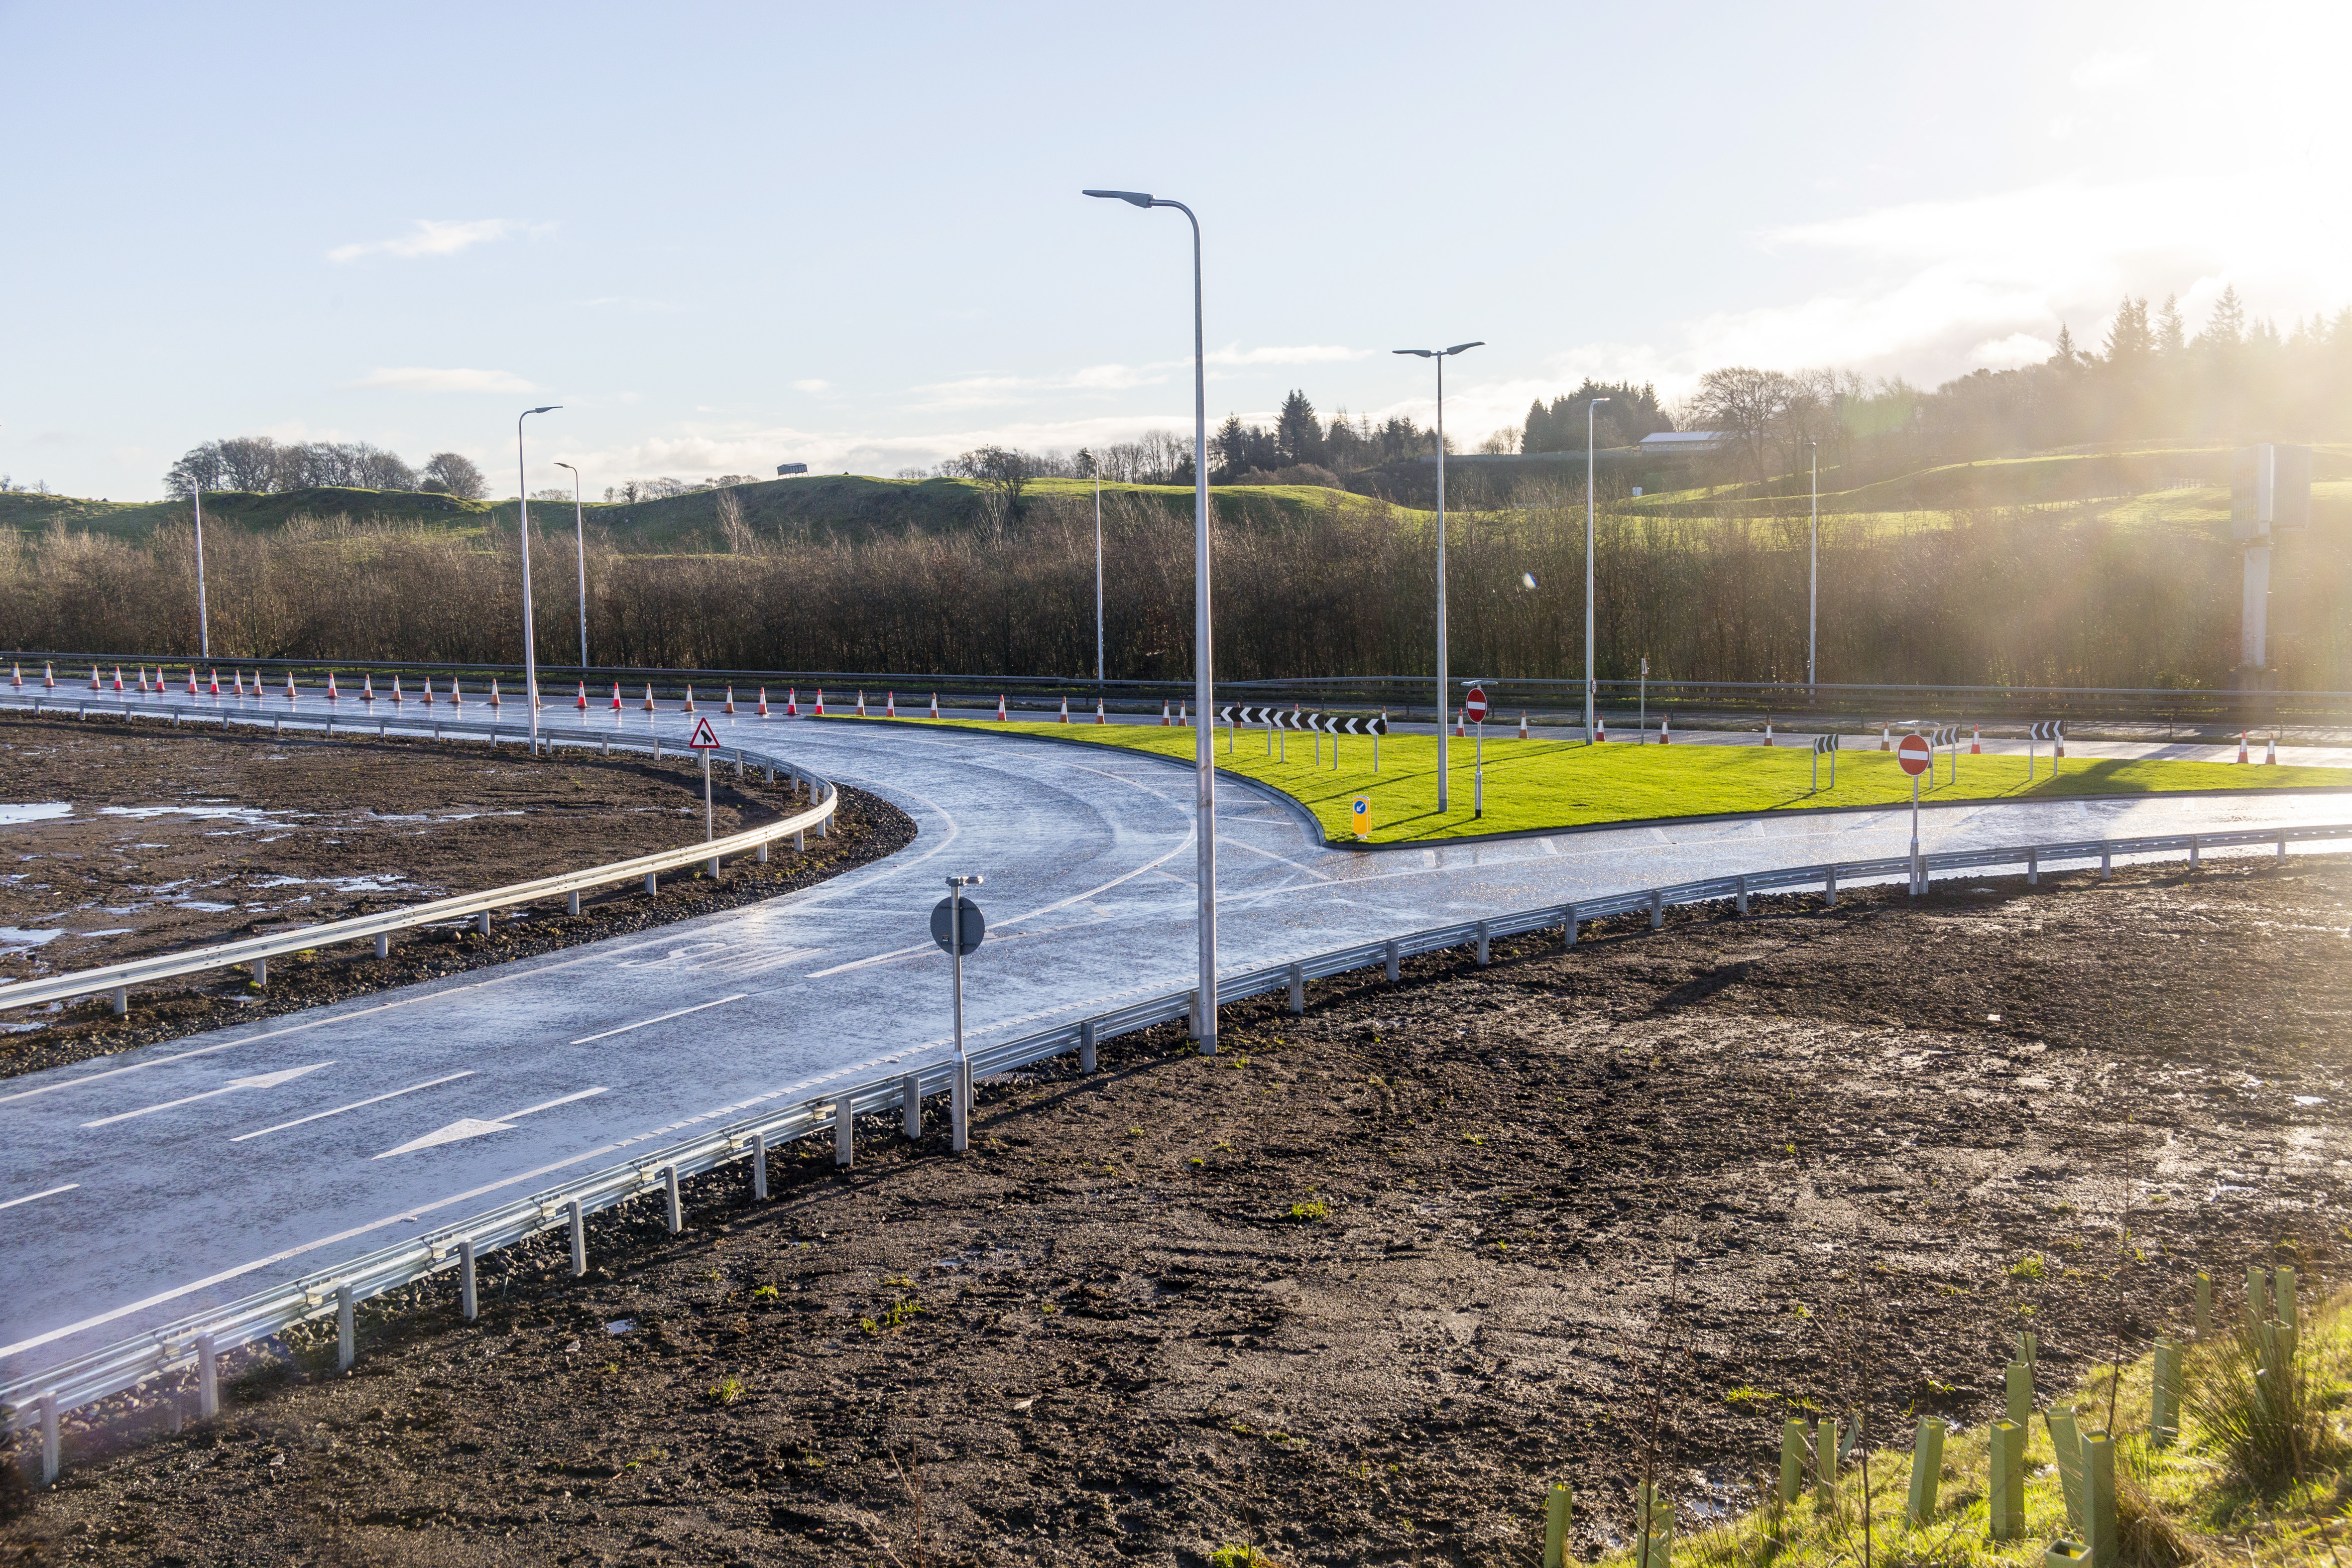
{"x":94,"y":683}
{"x":428,"y":689}
{"x":2241,"y":746}
{"x":1976,"y":741}
{"x":395,"y":691}
{"x":999,"y":708}
{"x":1887,"y":737}
{"x":649,"y":697}
{"x":1523,"y":723}
{"x":2058,"y":743}
{"x":213,"y":680}
{"x":237,"y":691}
{"x":496,"y":700}
{"x":1164,"y":720}
{"x":861,"y":702}
{"x":616,"y":696}
{"x":118,"y":678}
{"x":1183,"y":717}
{"x":689,"y":698}
{"x":2271,"y":757}
{"x":1459,"y":732}
{"x":1098,"y":712}
{"x":581,"y":702}
{"x":1666,"y":730}
{"x":192,"y":680}
{"x":48,"y":676}
{"x":791,"y":702}
{"x":1601,"y":730}
{"x":1065,"y":710}
{"x":367,"y":688}
{"x":17,"y":675}
{"x":763,"y":703}
{"x":818,"y":709}
{"x":889,"y":705}
{"x":935,"y":704}
{"x":729,"y":708}
{"x":1767,"y":731}
{"x":289,"y":686}
{"x":457,"y":692}
{"x":332,"y":695}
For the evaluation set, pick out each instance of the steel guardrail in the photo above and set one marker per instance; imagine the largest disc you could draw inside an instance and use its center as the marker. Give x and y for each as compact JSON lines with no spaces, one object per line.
{"x":359,"y":927}
{"x":31,"y":1398}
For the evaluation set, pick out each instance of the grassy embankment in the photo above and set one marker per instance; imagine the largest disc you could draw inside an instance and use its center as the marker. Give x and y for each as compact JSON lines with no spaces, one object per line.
{"x":2250,"y":1479}
{"x":1545,"y":783}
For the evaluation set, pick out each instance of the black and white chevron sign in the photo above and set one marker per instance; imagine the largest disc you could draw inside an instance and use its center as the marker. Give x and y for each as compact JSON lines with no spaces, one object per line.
{"x":1300,"y":719}
{"x":1826,"y":743}
{"x":1949,"y":735}
{"x":2050,"y":730}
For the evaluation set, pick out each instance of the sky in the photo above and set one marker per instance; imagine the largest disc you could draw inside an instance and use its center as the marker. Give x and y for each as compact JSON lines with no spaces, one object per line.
{"x":725,"y":237}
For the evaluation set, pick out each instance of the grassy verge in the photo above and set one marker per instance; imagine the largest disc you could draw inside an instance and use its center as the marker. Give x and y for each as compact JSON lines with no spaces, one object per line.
{"x":1538,"y":785}
{"x":2211,"y":1497}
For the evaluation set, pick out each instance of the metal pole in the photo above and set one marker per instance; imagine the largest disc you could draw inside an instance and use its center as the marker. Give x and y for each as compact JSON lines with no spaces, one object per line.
{"x":1204,"y":683}
{"x":1444,"y":693}
{"x":1588,"y":566}
{"x":1915,"y":833}
{"x":204,"y":622}
{"x":955,"y":953}
{"x":530,"y":646}
{"x":580,"y":542}
{"x":1099,"y":574}
{"x":1813,"y":576}
{"x":707,"y":832}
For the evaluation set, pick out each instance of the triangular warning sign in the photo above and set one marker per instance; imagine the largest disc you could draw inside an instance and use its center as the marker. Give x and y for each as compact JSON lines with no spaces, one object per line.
{"x":705,"y":737}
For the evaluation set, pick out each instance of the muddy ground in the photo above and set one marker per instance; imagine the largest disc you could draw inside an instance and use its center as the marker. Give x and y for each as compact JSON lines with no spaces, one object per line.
{"x":118,"y":840}
{"x":1359,"y":1288}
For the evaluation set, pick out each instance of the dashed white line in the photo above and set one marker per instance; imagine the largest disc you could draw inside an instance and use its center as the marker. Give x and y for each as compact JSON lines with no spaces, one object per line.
{"x":259,"y":1080}
{"x":30,"y":1197}
{"x":354,"y":1105}
{"x":666,"y":1017}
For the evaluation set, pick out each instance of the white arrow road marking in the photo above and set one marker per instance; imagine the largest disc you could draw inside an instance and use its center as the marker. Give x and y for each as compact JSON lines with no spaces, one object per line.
{"x":474,"y":1127}
{"x":354,"y":1105}
{"x":259,"y":1080}
{"x":28,"y":1197}
{"x":666,"y":1017}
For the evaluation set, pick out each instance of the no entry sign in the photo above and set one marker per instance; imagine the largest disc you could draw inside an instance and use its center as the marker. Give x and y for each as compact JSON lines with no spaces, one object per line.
{"x":1912,"y":751}
{"x":1473,"y":707}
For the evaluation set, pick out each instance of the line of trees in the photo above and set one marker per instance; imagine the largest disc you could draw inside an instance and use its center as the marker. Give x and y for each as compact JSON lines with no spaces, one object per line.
{"x":263,"y":466}
{"x":1997,"y":597}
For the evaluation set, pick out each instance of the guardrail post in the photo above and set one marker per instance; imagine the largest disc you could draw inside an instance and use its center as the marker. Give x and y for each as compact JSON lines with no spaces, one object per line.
{"x":675,"y":1209}
{"x":2194,"y":846}
{"x":482,"y":923}
{"x":960,"y":1105}
{"x":844,"y":1133}
{"x":1658,"y":908}
{"x":1568,"y":925}
{"x":1482,"y":944}
{"x":572,"y":902}
{"x":261,"y":972}
{"x":714,"y":868}
{"x":1193,"y":1019}
{"x":576,"y":1221}
{"x":2107,"y":862}
{"x":910,"y":1105}
{"x":764,"y":853}
{"x":49,"y":1438}
{"x":799,"y":841}
{"x":771,"y":773}
{"x":470,"y":1301}
{"x":122,"y":1000}
{"x":758,"y":1167}
{"x":1086,"y":1045}
{"x":383,"y":944}
{"x":651,"y":885}
{"x":1739,"y":896}
{"x":207,"y":1378}
{"x":2282,"y":853}
{"x":1394,"y":957}
{"x":1831,"y":880}
{"x":2033,"y":868}
{"x":346,"y":1331}
{"x":1297,"y":988}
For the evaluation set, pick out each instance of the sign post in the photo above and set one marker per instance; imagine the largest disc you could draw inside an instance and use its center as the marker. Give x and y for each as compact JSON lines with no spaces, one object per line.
{"x":958,"y":926}
{"x":1824,"y":744}
{"x":1641,"y":715}
{"x":1916,"y":757}
{"x":1473,"y":708}
{"x":706,"y":741}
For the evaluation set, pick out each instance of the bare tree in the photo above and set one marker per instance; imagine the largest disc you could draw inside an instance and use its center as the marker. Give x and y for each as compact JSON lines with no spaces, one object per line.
{"x":453,"y":473}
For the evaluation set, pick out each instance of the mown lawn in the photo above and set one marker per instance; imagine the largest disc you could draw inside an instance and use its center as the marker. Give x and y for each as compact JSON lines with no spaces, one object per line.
{"x":1535,"y":785}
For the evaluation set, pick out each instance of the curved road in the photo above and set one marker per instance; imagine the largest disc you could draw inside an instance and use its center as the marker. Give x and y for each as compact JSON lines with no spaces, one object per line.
{"x":136,"y":1188}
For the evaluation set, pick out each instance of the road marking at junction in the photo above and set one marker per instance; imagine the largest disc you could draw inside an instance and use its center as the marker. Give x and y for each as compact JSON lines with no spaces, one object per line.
{"x":354,"y":1105}
{"x":475,"y":1127}
{"x":645,"y":1023}
{"x":28,"y":1197}
{"x":259,"y":1080}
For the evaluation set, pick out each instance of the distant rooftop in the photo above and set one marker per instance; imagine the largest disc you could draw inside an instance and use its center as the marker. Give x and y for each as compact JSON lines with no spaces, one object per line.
{"x":1687,"y":441}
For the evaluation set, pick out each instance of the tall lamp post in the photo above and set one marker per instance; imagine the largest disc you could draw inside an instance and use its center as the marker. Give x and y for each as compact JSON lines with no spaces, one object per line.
{"x":1445,"y":735}
{"x":580,"y":536}
{"x":1204,"y":808}
{"x":1095,"y":463}
{"x":530,"y":646}
{"x":1813,"y":573}
{"x":1588,"y":686}
{"x":204,"y":622}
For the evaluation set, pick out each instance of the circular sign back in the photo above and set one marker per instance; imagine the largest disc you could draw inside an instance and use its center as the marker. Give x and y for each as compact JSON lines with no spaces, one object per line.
{"x":943,"y":924}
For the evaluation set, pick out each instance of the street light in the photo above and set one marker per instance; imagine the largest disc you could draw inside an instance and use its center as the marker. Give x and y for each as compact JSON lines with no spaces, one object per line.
{"x":1444,"y":736}
{"x":1588,"y":566}
{"x":1095,"y":463}
{"x":1813,"y":571}
{"x":579,"y":533}
{"x":1204,"y":808}
{"x":204,"y":623}
{"x":529,"y":648}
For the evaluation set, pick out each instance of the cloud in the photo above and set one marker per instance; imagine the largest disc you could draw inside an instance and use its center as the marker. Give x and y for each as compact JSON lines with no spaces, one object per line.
{"x":2110,"y":68}
{"x":811,"y":386}
{"x":421,"y":378}
{"x":1303,"y":353}
{"x":432,"y":237}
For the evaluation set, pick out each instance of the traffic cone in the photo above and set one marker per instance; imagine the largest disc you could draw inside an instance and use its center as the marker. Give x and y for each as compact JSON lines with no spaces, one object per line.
{"x":1666,"y":730}
{"x":580,"y":702}
{"x":192,"y":680}
{"x":428,"y":690}
{"x":395,"y":691}
{"x":495,"y":699}
{"x":332,"y":695}
{"x":17,"y":675}
{"x":139,"y":679}
{"x":367,"y":688}
{"x":1887,"y":737}
{"x":763,"y":703}
{"x":889,"y":705}
{"x":2058,"y":744}
{"x":238,"y":692}
{"x":214,"y":681}
{"x":118,"y":678}
{"x":2241,"y":746}
{"x":616,"y":696}
{"x":1523,"y":723}
{"x":689,"y":698}
{"x":999,"y":708}
{"x":791,"y":702}
{"x":1768,"y":730}
{"x":649,"y":697}
{"x":1601,"y":730}
{"x":48,"y":675}
{"x":1164,"y":720}
{"x":861,"y":702}
{"x":2272,"y":757}
{"x":1976,"y":741}
{"x":457,"y":692}
{"x":1098,"y":712}
{"x":729,"y":708}
{"x":935,"y":704}
{"x":1065,"y":710}
{"x":1183,"y":717}
{"x":819,"y":710}
{"x":1459,"y":732}
{"x":289,"y":686}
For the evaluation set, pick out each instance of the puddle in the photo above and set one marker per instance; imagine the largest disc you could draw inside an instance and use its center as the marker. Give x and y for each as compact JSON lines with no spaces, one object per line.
{"x":37,"y":811}
{"x":250,"y":815}
{"x":12,"y":939}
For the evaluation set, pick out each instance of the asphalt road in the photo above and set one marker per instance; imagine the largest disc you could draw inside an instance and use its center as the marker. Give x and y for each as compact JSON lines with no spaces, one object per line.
{"x":135,"y":1189}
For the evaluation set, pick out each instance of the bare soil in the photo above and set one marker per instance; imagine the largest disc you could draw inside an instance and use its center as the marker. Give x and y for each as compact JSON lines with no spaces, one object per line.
{"x":1357,"y":1289}
{"x":123,"y":840}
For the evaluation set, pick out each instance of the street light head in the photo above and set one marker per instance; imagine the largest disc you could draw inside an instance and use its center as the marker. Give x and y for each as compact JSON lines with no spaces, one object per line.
{"x":1424,"y":353}
{"x":567,"y":465}
{"x":548,"y":409}
{"x":1138,"y":198}
{"x":1463,"y":347}
{"x":1600,"y":400}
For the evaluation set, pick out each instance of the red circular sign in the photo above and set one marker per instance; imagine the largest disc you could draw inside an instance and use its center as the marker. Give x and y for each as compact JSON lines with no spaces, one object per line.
{"x":1473,"y":707}
{"x":1912,"y":751}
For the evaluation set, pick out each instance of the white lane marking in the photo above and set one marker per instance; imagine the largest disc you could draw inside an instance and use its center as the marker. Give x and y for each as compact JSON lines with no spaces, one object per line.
{"x":467,"y":1127}
{"x":259,"y":1080}
{"x":28,"y":1197}
{"x":1548,"y":846}
{"x":666,"y":1017}
{"x":354,"y":1105}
